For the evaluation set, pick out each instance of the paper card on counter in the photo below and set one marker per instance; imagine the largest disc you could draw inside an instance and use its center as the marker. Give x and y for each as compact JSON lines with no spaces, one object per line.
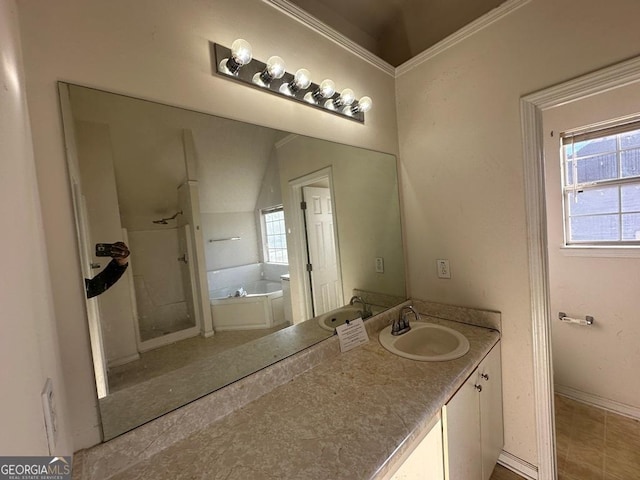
{"x":352,"y":335}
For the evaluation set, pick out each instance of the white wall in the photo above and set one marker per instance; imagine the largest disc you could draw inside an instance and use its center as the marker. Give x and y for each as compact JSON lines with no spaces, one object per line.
{"x":229,"y":253}
{"x":603,"y":359}
{"x":29,"y":341}
{"x":462,"y":170}
{"x":160,"y":291}
{"x":159,"y":50}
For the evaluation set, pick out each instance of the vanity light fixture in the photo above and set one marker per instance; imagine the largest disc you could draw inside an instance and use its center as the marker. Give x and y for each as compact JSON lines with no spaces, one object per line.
{"x":237,"y":63}
{"x":241,"y":55}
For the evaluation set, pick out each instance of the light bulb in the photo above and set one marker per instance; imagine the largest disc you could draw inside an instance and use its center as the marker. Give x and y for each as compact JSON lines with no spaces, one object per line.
{"x":365,"y":104}
{"x":240,"y":55}
{"x":241,"y":51}
{"x":301,"y":80}
{"x":275,"y":69}
{"x":347,"y":97}
{"x":325,"y":90}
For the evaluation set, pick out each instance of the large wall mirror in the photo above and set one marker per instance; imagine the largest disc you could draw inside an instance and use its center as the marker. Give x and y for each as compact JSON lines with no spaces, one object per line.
{"x":242,"y":239}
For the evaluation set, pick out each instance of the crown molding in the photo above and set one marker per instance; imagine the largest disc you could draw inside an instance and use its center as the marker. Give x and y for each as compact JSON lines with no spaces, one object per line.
{"x":289,"y":138}
{"x":323,"y":29}
{"x":465,"y":32}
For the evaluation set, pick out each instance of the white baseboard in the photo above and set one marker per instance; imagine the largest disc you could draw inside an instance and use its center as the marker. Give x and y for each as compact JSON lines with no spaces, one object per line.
{"x":518,"y":465}
{"x":595,"y":400}
{"x":116,"y":362}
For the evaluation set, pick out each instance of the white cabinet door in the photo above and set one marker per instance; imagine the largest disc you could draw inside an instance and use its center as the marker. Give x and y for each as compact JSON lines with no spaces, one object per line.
{"x":425,"y":462}
{"x":461,"y":433}
{"x":491,"y":423}
{"x":472,"y":423}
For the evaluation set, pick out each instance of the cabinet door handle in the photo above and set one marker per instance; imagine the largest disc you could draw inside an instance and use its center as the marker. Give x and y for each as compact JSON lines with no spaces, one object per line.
{"x":478,"y":387}
{"x":485,"y":376}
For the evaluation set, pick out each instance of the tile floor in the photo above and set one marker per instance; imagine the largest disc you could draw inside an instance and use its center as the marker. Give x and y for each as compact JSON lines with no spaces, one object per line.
{"x":591,"y":444}
{"x":501,"y":473}
{"x":179,"y":354}
{"x":595,"y":444}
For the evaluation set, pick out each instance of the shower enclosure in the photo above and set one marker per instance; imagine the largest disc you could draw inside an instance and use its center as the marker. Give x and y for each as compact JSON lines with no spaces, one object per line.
{"x":162,"y":281}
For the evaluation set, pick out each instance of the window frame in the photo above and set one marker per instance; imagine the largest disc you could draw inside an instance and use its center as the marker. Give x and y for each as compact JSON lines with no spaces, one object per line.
{"x":266,"y":248}
{"x":572,"y":137}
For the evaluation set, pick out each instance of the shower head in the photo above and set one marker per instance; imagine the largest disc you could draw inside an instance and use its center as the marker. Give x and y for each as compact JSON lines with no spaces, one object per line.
{"x":163,"y":221}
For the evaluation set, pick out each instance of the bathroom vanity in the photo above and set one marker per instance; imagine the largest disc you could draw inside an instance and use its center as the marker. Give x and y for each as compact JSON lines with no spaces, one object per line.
{"x":353,"y":415}
{"x":465,"y":441}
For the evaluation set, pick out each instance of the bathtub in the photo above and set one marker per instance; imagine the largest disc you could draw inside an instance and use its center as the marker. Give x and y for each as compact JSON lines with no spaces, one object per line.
{"x":262,"y":307}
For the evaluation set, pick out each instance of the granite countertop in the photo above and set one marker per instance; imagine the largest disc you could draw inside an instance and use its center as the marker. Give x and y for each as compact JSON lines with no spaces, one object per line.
{"x":346,"y":418}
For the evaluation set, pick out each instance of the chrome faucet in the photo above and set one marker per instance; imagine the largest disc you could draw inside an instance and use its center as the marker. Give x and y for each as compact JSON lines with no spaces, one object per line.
{"x":366,"y":311}
{"x":401,"y":324}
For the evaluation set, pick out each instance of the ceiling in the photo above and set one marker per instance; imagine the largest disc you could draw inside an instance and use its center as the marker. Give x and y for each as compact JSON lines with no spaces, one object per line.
{"x":397,"y":30}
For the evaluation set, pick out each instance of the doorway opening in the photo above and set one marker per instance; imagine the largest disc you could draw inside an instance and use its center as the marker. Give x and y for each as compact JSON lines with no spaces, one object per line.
{"x":531,"y":108}
{"x":592,"y":171}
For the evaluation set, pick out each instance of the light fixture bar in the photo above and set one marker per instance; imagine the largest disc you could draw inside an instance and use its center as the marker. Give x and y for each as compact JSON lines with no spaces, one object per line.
{"x":246,"y":74}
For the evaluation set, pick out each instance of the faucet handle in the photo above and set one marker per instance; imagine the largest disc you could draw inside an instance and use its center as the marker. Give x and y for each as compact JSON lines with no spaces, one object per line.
{"x":401,"y":325}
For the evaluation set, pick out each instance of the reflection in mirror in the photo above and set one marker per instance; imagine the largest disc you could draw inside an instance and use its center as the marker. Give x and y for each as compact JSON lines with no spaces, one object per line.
{"x":239,"y":234}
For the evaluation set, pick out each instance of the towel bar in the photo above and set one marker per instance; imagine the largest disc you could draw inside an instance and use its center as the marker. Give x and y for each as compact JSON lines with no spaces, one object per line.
{"x":588,"y":320}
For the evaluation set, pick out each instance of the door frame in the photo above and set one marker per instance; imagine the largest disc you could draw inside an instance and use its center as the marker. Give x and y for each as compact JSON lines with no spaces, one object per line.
{"x":94,"y":323}
{"x":532,"y":107}
{"x":295,"y":192}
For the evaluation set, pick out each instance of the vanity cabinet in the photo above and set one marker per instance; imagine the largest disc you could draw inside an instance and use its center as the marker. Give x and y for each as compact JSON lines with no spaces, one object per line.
{"x":425,"y":461}
{"x":472,"y":423}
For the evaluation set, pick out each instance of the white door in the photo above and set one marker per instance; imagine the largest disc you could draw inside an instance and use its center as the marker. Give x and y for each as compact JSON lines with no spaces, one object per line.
{"x":325,"y":279}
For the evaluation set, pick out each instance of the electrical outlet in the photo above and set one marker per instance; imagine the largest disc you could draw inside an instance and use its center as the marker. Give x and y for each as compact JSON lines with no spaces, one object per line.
{"x":443,"y":268}
{"x":379,"y":265}
{"x":50,"y":419}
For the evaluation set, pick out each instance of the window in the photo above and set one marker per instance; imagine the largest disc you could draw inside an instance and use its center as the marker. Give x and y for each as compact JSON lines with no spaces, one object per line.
{"x":601,"y":186}
{"x":274,"y":235}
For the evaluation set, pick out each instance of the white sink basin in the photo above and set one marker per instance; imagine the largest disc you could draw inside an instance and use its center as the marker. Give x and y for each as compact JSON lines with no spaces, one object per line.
{"x":335,"y":318}
{"x":427,"y":342}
